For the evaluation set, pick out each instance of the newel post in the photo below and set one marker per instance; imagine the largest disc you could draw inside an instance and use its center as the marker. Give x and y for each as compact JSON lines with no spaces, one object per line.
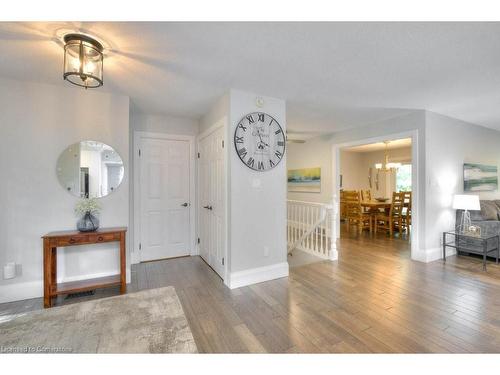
{"x":333,"y":211}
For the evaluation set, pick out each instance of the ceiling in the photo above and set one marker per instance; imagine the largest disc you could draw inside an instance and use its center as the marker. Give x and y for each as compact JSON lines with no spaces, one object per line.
{"x":333,"y":75}
{"x":393,"y":144}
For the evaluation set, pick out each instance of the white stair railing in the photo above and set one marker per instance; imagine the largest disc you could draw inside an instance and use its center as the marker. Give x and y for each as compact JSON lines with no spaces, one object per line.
{"x":309,"y":228}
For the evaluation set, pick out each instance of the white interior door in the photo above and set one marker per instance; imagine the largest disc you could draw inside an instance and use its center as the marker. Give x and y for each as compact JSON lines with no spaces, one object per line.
{"x":164,"y":198}
{"x":212,"y":200}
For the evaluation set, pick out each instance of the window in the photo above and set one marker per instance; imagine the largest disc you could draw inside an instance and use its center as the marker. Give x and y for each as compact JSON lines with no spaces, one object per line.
{"x":403,"y":178}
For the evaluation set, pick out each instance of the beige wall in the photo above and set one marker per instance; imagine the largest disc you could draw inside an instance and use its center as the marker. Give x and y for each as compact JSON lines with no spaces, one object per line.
{"x":354,"y":167}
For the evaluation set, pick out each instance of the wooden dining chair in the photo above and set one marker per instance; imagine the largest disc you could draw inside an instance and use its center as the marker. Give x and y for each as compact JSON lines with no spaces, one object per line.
{"x":366,"y":195}
{"x":389,"y":221}
{"x":354,"y":213}
{"x":406,"y":222}
{"x":342,"y":205}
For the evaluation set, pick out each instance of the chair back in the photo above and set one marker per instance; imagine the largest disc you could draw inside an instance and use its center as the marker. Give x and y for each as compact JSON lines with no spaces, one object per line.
{"x":366,"y":195}
{"x":350,"y":195}
{"x":352,"y":204}
{"x":397,"y":204}
{"x":407,"y":200}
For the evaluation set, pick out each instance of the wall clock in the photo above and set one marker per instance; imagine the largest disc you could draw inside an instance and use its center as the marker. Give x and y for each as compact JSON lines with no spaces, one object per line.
{"x":259,"y":141}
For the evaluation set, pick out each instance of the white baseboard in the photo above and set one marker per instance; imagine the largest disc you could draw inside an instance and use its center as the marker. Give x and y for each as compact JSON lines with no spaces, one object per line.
{"x":430,"y":255}
{"x":20,"y":291}
{"x":333,"y":253}
{"x":34,"y":289}
{"x":134,"y":257}
{"x":257,"y":275}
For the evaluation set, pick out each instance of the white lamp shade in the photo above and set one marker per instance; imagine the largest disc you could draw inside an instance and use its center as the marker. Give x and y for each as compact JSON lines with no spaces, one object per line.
{"x":393,"y":165}
{"x":466,"y":202}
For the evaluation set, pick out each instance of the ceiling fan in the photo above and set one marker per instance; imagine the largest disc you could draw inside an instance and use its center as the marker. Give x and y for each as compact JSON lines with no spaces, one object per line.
{"x":295,"y":140}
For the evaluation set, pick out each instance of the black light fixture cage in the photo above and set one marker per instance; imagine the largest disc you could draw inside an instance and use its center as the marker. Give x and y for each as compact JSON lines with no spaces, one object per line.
{"x":83,"y":61}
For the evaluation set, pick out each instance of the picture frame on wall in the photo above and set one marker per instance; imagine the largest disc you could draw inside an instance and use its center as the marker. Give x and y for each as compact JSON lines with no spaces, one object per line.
{"x":480,"y":177}
{"x":304,"y":180}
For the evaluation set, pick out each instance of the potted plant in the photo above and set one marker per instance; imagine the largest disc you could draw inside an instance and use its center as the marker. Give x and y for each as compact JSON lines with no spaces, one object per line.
{"x":87,"y":209}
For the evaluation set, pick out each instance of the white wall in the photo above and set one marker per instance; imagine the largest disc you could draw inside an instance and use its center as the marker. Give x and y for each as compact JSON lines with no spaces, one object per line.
{"x":162,"y":123}
{"x":449,"y":144}
{"x":256,"y":232}
{"x":315,"y":152}
{"x":257,"y":199}
{"x":217,"y":112}
{"x":37,"y":123}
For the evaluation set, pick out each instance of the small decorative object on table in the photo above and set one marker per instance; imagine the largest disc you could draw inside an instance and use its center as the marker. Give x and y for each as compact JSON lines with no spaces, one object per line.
{"x":381,"y":199}
{"x":87,"y":209}
{"x":474,"y":230}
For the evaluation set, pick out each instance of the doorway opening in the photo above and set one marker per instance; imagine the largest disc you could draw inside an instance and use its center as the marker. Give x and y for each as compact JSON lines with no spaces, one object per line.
{"x":376,"y":191}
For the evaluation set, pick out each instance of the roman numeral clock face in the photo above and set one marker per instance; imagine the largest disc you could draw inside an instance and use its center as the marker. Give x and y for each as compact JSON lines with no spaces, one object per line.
{"x":259,"y":141}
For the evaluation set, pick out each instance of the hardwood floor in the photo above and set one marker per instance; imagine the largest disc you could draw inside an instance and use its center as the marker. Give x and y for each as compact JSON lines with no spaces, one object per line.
{"x":374,"y":299}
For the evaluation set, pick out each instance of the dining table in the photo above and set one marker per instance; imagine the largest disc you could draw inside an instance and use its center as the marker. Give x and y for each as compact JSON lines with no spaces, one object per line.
{"x":376,"y":205}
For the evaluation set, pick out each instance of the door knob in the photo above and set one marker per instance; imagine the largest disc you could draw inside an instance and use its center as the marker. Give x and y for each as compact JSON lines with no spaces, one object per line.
{"x":206,"y":207}
{"x":210,"y":208}
{"x":185,"y":204}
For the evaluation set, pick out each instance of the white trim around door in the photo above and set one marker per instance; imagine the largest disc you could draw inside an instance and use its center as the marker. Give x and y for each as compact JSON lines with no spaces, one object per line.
{"x":217,"y":126}
{"x":136,"y":234}
{"x":416,"y":253}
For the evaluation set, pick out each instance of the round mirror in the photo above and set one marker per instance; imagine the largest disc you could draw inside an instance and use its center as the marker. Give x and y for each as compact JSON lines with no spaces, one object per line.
{"x":90,"y":169}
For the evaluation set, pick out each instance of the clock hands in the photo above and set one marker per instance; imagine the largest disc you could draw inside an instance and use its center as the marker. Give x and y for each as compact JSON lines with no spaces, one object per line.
{"x":261,"y":141}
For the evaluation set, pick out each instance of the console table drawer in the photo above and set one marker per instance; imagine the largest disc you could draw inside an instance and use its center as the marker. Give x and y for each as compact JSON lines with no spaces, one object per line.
{"x":72,"y":240}
{"x":104,"y":237}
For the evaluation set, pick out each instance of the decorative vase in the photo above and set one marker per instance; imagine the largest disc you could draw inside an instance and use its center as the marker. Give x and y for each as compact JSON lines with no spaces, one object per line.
{"x":88,"y":223}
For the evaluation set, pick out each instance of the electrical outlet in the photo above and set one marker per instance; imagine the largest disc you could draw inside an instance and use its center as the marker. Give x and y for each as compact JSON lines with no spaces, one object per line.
{"x":266,"y":251}
{"x":256,"y":183}
{"x":9,"y":271}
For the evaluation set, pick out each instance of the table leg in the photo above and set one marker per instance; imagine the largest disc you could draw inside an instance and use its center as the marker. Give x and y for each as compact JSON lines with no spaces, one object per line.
{"x":123,"y":262}
{"x":47,"y":273}
{"x":498,"y":249}
{"x":444,"y":247}
{"x":485,"y":247}
{"x":53,"y":267}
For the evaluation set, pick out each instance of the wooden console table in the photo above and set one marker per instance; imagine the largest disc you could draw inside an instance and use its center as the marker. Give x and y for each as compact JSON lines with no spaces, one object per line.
{"x":53,"y":240}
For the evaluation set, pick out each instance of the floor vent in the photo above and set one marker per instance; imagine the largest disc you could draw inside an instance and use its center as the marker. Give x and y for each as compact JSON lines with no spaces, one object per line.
{"x":80,"y":294}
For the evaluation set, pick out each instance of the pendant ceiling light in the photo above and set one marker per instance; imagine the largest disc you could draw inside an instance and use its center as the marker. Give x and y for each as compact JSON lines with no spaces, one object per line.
{"x":386,"y":166}
{"x":83,"y":61}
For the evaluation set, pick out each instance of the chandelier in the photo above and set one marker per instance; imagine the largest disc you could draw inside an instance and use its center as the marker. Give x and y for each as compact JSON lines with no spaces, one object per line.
{"x":83,"y":61}
{"x":386,"y":166}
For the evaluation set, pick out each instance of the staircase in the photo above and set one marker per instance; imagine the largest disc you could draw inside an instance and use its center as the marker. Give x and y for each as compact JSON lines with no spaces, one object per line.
{"x":310,"y":228}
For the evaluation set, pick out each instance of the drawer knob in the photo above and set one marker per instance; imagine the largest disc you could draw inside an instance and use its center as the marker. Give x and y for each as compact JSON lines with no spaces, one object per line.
{"x":72,"y":240}
{"x":100,"y":238}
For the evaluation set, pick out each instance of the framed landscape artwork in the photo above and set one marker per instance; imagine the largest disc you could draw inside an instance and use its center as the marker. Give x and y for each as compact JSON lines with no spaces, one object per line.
{"x":305,"y":180}
{"x":480,"y":177}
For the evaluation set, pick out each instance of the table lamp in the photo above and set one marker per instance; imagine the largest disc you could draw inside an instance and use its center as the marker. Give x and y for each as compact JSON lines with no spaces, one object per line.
{"x":466,"y":203}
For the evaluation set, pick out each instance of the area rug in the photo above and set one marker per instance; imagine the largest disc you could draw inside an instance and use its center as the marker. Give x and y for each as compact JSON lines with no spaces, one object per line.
{"x":150,"y":321}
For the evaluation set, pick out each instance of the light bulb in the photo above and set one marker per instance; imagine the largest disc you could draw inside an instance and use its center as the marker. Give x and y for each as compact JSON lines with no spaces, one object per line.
{"x":89,"y":68}
{"x":75,"y":63}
